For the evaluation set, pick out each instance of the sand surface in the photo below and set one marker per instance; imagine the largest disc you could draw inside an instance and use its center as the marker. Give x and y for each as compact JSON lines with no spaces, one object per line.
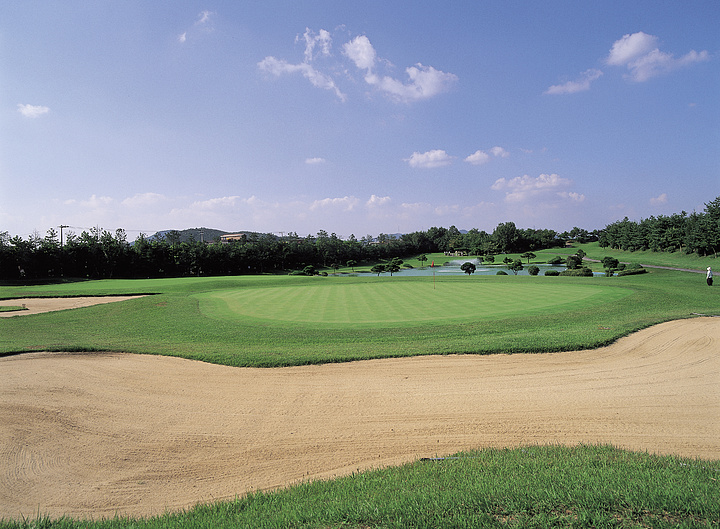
{"x":37,"y":305}
{"x":92,"y":435}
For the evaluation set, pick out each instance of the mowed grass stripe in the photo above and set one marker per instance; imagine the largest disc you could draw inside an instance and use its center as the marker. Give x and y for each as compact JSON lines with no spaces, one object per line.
{"x":398,"y":302}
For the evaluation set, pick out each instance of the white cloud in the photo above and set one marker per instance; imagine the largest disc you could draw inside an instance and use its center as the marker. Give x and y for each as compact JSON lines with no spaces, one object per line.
{"x":499,"y":152}
{"x":429,"y":159}
{"x":478,"y":158}
{"x":345,"y":203}
{"x":182,"y":37}
{"x":481,"y":157}
{"x":315,"y":161}
{"x":322,"y":38}
{"x":521,"y":188}
{"x":575,"y":197}
{"x":630,"y":47}
{"x":361,"y":52}
{"x":640,"y":54}
{"x":204,"y":17}
{"x":279,"y":67}
{"x":661,"y":199}
{"x":376,"y":201}
{"x":142,"y":200}
{"x":423,"y":81}
{"x":32,"y":111}
{"x":579,"y":85}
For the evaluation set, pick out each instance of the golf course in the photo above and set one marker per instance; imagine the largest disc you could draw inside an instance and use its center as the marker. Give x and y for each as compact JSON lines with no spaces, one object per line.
{"x":361,"y":401}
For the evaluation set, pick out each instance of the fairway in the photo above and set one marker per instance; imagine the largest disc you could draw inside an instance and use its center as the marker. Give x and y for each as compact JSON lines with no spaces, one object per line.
{"x":399,"y":302}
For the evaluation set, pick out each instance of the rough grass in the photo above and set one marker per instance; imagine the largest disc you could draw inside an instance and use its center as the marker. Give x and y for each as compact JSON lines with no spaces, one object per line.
{"x":581,"y":486}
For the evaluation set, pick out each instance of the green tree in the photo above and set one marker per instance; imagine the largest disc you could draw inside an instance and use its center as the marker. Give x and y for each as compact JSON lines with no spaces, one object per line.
{"x":468,"y":268}
{"x":378,"y":269}
{"x":528,"y":256}
{"x":533,"y":270}
{"x":394,"y":265}
{"x":489,"y":258}
{"x":422,"y":258}
{"x":515,"y":266}
{"x":351,"y":263}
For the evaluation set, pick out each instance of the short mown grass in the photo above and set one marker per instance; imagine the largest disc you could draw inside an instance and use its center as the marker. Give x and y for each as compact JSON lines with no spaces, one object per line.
{"x":581,"y":486}
{"x":268,"y":321}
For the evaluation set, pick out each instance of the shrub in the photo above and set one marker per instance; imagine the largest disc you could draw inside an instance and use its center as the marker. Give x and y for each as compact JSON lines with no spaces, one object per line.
{"x":533,"y":270}
{"x":579,"y":272}
{"x":632,"y":271}
{"x":552,"y":272}
{"x":500,"y":273}
{"x":555,"y":261}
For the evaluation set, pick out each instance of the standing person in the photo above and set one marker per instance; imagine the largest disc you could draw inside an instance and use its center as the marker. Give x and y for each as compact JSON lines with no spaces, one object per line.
{"x":709,"y":277}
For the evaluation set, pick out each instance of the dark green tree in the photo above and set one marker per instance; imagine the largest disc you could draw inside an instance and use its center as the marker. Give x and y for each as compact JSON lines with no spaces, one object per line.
{"x":468,"y":268}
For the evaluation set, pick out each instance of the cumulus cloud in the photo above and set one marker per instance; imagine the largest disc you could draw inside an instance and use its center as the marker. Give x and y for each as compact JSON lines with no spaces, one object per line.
{"x":640,"y":54}
{"x":579,"y":85}
{"x":376,"y":201}
{"x":499,"y":152}
{"x":429,"y":159}
{"x":32,"y":111}
{"x":661,"y":199}
{"x":478,"y":158}
{"x":315,"y":161}
{"x":523,"y":187}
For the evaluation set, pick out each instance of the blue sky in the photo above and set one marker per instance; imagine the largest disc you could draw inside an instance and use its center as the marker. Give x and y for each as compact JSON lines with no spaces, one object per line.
{"x":355,"y":117}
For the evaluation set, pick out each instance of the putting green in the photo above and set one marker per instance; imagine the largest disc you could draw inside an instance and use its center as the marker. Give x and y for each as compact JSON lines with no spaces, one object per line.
{"x":392,"y":303}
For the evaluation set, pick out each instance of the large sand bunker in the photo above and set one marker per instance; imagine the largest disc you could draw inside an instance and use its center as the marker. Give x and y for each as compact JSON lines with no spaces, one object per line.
{"x":91,"y":435}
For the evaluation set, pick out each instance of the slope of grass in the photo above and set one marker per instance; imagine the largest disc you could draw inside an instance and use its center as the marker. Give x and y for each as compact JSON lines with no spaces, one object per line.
{"x":582,"y":486}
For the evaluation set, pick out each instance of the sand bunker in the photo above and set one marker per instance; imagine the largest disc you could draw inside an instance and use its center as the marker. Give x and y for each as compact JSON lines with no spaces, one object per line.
{"x":94,"y":435}
{"x":37,"y":305}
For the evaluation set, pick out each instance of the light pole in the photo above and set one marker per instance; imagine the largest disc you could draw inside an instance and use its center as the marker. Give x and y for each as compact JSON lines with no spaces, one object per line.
{"x":61,"y":234}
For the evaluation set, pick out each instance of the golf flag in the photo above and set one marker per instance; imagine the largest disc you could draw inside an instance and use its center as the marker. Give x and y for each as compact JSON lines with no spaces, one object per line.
{"x":432,"y":264}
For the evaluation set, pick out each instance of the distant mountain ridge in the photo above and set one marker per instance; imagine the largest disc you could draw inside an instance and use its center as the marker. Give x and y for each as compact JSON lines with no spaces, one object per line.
{"x":198,"y":234}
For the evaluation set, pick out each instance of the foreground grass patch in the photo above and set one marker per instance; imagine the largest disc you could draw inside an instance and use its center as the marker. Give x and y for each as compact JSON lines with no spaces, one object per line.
{"x":583,"y":486}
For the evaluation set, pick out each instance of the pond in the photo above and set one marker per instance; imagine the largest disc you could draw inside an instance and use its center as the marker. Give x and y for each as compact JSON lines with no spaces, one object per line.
{"x":453,"y":269}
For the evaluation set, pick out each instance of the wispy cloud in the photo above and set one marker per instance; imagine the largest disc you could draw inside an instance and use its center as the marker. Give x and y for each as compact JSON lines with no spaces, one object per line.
{"x":422,"y":81}
{"x":315,"y":161}
{"x":429,"y":159}
{"x":580,"y":84}
{"x":660,"y":199}
{"x":640,"y":54}
{"x":203,"y":23}
{"x":32,"y":111}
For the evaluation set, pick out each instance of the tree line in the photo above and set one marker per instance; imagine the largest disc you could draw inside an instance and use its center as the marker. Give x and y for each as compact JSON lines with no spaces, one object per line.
{"x":697,"y":233}
{"x":100,"y":254}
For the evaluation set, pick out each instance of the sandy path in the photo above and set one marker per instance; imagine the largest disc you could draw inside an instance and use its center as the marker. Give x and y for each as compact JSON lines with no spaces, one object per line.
{"x":37,"y":305}
{"x":89,"y":435}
